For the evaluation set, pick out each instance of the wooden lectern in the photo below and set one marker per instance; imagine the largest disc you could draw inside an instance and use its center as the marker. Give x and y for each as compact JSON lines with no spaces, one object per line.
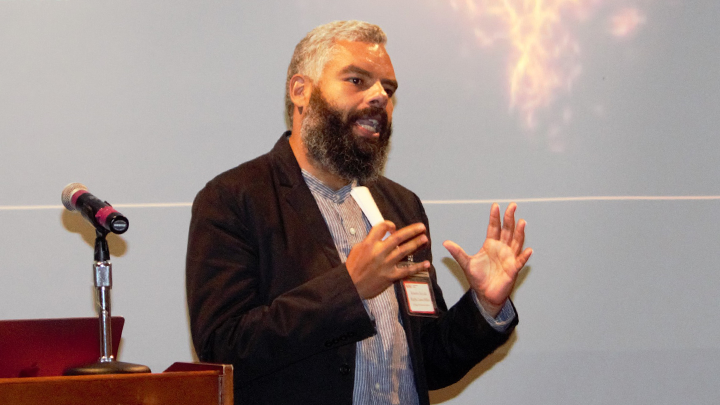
{"x":181,"y":384}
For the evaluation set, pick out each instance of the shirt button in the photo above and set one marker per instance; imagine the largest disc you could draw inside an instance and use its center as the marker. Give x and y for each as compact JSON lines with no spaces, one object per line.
{"x":344,"y":369}
{"x":352,"y":231}
{"x":377,"y":386}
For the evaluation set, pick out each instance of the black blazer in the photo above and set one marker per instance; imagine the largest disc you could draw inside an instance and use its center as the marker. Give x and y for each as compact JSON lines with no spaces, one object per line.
{"x":267,"y":291}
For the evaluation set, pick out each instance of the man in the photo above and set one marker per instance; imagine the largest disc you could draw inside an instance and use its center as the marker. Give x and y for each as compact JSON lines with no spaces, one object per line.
{"x":288,"y":282}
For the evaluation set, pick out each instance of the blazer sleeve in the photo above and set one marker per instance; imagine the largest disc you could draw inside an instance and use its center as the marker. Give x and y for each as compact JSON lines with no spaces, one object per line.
{"x":458,"y":339}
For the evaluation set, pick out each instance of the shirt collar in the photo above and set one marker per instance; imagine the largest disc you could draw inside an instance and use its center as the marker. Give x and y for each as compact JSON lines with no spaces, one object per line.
{"x":318,"y":187}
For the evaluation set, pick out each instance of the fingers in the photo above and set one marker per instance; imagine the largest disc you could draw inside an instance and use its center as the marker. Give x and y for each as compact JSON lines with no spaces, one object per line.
{"x":524,"y":257}
{"x":407,"y":248}
{"x":409,"y":269}
{"x":399,"y":244}
{"x":518,"y":262}
{"x":457,"y":253}
{"x":378,"y":231}
{"x":493,"y":231}
{"x":503,"y":231}
{"x":519,"y":237}
{"x":508,"y":226}
{"x":507,"y":232}
{"x":372,"y":263}
{"x":405,"y":241}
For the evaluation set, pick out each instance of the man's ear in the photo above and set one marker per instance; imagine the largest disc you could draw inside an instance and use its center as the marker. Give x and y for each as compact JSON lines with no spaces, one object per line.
{"x":300,"y":90}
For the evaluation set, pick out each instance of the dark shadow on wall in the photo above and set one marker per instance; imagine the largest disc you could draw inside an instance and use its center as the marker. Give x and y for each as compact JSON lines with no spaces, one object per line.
{"x":74,"y":222}
{"x":192,"y":346}
{"x":448,"y":393}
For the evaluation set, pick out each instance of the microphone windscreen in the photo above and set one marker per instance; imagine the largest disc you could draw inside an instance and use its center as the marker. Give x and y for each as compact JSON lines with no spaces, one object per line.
{"x":67,"y":194}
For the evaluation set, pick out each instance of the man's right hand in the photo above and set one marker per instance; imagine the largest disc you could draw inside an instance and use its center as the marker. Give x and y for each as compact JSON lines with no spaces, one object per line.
{"x":372,"y":262}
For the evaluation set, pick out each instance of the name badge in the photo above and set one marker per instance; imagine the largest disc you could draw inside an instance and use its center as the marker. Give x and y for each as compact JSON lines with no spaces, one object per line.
{"x":418,"y":294}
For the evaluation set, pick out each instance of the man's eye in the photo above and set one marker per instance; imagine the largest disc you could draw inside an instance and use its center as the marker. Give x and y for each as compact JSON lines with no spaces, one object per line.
{"x":355,"y":80}
{"x":389,"y":92}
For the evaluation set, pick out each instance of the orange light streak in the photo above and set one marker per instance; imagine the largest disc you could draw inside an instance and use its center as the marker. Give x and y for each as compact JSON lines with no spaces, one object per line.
{"x":544,"y":56}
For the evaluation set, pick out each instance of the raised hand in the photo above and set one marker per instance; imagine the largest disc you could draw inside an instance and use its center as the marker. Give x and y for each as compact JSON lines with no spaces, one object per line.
{"x":372,"y":262}
{"x":493,"y":270}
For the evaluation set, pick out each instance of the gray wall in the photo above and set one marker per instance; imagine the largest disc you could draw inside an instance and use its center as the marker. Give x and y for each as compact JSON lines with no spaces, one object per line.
{"x":144,"y":102}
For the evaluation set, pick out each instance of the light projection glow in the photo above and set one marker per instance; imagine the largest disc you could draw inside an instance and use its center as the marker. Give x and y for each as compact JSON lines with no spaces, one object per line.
{"x":545,"y":55}
{"x":626,"y":22}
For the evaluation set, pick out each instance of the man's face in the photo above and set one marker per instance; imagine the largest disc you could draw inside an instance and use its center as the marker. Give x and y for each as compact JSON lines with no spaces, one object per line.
{"x":348,"y":123}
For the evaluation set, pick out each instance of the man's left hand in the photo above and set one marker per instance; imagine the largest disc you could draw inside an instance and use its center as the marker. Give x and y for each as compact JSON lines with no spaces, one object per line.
{"x":493,"y":270}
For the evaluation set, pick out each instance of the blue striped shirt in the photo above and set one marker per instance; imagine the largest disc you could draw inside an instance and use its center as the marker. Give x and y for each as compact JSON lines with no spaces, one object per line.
{"x":383,"y":372}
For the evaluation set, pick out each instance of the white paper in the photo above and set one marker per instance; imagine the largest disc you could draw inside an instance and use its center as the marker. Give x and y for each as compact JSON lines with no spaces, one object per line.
{"x":362,"y":196}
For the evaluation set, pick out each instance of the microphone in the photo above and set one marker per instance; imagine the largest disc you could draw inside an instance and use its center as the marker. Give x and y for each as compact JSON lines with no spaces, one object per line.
{"x":75,"y":197}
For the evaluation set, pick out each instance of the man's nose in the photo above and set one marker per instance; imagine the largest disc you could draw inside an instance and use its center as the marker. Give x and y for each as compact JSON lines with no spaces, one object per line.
{"x":377,"y":97}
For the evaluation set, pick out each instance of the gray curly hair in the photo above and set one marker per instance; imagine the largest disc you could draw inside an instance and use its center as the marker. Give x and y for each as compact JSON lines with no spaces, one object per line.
{"x":314,"y":51}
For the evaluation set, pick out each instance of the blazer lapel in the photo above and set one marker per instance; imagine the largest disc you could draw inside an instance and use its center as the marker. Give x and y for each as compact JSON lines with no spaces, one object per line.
{"x":298,"y":196}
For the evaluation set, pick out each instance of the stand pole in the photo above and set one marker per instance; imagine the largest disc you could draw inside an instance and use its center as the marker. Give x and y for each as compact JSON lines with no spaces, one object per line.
{"x":106,"y":364}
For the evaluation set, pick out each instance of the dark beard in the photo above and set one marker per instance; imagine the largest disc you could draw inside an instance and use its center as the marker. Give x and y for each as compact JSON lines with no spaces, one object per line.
{"x":332,"y":145}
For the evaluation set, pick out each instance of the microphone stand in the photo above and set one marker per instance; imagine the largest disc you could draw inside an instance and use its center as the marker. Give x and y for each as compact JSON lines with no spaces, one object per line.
{"x":103,"y":283}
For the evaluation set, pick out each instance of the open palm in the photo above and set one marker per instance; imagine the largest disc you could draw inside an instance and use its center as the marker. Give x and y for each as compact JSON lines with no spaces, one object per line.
{"x":493,"y":270}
